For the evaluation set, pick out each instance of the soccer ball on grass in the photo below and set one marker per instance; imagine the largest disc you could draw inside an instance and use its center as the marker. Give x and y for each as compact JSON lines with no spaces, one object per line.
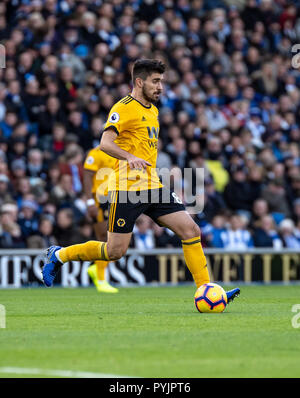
{"x":210,"y":297}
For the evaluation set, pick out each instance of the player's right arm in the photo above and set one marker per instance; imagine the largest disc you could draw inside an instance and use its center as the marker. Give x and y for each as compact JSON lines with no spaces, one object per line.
{"x":89,"y":171}
{"x":108,"y":146}
{"x":119,"y":119}
{"x":92,"y":209}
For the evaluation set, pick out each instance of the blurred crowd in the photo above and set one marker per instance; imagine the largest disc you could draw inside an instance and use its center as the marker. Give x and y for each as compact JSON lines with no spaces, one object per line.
{"x":231,"y":106}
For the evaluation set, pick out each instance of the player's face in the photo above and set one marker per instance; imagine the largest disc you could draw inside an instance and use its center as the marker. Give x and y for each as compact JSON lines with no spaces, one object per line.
{"x":152,"y":87}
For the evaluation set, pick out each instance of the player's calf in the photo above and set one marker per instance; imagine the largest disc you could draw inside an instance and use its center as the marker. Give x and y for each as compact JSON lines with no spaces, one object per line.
{"x":117,"y":245}
{"x":115,"y":252}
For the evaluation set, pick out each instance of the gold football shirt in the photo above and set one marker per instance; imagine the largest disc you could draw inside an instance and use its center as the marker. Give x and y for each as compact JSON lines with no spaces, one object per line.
{"x":102,"y":164}
{"x":137,"y":127}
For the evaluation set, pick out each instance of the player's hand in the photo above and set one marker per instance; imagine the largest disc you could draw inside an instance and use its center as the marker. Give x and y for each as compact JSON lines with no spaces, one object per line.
{"x":92,"y":211}
{"x":136,"y":163}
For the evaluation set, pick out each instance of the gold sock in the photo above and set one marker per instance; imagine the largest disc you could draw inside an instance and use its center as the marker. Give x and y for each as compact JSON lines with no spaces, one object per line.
{"x":195,"y":260}
{"x":101,"y":266}
{"x":88,"y":251}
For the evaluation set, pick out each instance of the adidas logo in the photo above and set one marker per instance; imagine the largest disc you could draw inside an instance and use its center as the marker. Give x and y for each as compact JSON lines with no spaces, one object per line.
{"x":143,"y":119}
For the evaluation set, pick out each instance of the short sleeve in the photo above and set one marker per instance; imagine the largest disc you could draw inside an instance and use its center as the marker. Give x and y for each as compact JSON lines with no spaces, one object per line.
{"x":90,"y":162}
{"x":116,"y":119}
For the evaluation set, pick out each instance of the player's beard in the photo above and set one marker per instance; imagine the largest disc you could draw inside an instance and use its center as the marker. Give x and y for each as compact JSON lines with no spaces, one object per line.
{"x":147,"y":96}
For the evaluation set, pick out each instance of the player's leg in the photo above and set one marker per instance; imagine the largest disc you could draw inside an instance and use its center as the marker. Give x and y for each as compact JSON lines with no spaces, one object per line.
{"x":113,"y":249}
{"x":100,"y":229}
{"x":117,"y":244}
{"x":182,"y":224}
{"x":96,"y":271}
{"x":122,"y":217}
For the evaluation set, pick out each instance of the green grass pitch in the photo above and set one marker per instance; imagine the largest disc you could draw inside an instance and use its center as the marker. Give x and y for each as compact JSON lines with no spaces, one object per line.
{"x":151,"y":332}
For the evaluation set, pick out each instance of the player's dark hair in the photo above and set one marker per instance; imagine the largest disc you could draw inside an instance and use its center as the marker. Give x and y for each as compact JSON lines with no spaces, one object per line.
{"x":145,"y":67}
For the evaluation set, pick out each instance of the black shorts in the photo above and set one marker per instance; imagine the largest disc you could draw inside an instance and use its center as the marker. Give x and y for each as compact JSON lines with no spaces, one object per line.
{"x":124,"y":208}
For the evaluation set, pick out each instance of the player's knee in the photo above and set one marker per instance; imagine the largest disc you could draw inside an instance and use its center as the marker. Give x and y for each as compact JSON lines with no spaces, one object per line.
{"x":196,"y":230}
{"x":115,"y":252}
{"x":191,"y":232}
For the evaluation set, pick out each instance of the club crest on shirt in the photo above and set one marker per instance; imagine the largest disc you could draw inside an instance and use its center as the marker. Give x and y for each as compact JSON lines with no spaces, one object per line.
{"x":121,"y":222}
{"x":114,"y":117}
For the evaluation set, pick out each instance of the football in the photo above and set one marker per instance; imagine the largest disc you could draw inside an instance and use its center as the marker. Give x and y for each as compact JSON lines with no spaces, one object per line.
{"x":210,"y":297}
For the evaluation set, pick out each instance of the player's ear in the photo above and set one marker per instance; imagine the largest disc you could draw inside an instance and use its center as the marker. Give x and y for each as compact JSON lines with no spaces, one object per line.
{"x":139,"y":82}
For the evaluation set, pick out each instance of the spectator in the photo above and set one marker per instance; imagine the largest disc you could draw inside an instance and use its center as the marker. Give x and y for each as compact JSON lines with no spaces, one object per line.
{"x":296,"y":210}
{"x":35,"y":164}
{"x":163,"y":159}
{"x":215,"y":118}
{"x":23,"y":189}
{"x":5,"y":196}
{"x":77,"y":127}
{"x":213,"y":200}
{"x":53,"y":114}
{"x":213,"y":237}
{"x":231,"y":99}
{"x":18,"y":171}
{"x":161,"y":236}
{"x":65,"y":231}
{"x":275,"y":196}
{"x":44,"y":237}
{"x":290,"y":239}
{"x":96,"y":126}
{"x":142,"y":234}
{"x":295,"y":188}
{"x":53,"y":176}
{"x":260,"y":208}
{"x":33,"y":100}
{"x":238,"y":193}
{"x":54,"y":145}
{"x":18,"y":149}
{"x":266,"y":82}
{"x":73,"y":166}
{"x":10,"y":231}
{"x":11,"y":208}
{"x":63,"y":192}
{"x":84,"y":230}
{"x":178,"y":153}
{"x":8,"y":123}
{"x":256,"y":126}
{"x":67,"y":88}
{"x":28,"y":219}
{"x":236,"y":237}
{"x":266,"y":234}
{"x":214,"y":163}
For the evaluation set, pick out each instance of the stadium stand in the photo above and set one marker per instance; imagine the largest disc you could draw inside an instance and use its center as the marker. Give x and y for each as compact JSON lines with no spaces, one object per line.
{"x":231,"y":105}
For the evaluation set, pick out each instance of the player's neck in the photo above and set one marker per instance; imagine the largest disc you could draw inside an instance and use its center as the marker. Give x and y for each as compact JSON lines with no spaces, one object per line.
{"x":139,"y":97}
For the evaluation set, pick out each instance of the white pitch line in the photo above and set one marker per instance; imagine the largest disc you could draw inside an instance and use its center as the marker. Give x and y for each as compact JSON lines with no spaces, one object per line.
{"x":59,"y":373}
